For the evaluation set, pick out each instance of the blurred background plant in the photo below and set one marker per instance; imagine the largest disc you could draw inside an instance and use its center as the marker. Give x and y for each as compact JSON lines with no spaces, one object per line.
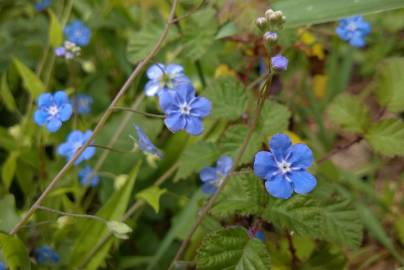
{"x":121,"y":209}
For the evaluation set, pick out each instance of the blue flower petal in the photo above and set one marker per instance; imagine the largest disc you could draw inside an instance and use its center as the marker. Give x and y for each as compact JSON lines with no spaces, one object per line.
{"x":175,"y":122}
{"x":303,"y":182}
{"x":280,"y":144}
{"x":185,"y":93}
{"x":60,"y":98}
{"x":224,"y":164}
{"x":65,"y":112}
{"x":301,"y":156}
{"x":45,"y":99}
{"x":209,"y":188}
{"x":208,"y":174}
{"x":194,"y":126}
{"x":89,"y":152}
{"x":279,"y":187}
{"x":152,"y":88}
{"x":174,"y":69}
{"x":155,"y":71}
{"x":167,"y":101}
{"x":53,"y":125}
{"x":201,"y":107}
{"x":74,"y":136}
{"x":265,"y":165}
{"x":40,"y":117}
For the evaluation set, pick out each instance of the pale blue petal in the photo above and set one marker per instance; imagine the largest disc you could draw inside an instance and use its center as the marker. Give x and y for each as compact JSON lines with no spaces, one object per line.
{"x":74,"y":136}
{"x":167,"y":101}
{"x":265,"y":165}
{"x":303,"y":182}
{"x":60,"y":98}
{"x":185,"y":93}
{"x":201,"y":107}
{"x":174,"y":69}
{"x":224,"y":164}
{"x":65,"y":112}
{"x":53,"y":124}
{"x":64,"y":149}
{"x":40,"y":117}
{"x":279,"y":188}
{"x":152,"y":88}
{"x":194,"y":126}
{"x":175,"y":122}
{"x":155,"y":71}
{"x":280,"y":144}
{"x":88,"y":153}
{"x":301,"y":156}
{"x":208,"y":174}
{"x":45,"y":99}
{"x":209,"y":188}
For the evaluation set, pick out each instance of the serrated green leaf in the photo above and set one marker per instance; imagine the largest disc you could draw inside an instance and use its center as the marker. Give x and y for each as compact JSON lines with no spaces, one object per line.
{"x":390,"y":88}
{"x":55,"y":30}
{"x":199,"y":34}
{"x":244,"y":195}
{"x":303,"y":12}
{"x":8,"y":169}
{"x":349,"y":113}
{"x":229,"y":29}
{"x":14,"y":252}
{"x":233,"y":139}
{"x":141,"y":43}
{"x":31,"y":82}
{"x":274,"y":118}
{"x":232,"y":249}
{"x":152,"y":196}
{"x":8,"y":215}
{"x":228,"y":98}
{"x":387,"y":137}
{"x":6,"y":95}
{"x":196,"y":157}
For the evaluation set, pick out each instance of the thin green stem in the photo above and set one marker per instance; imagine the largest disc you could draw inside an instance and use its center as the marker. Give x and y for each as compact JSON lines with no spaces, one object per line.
{"x":61,"y":213}
{"x":140,"y":112}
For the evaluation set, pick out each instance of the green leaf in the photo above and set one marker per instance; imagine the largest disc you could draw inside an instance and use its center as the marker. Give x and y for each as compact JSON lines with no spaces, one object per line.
{"x":141,"y":43}
{"x":152,"y":196}
{"x":399,"y":227}
{"x":119,"y":229}
{"x":244,"y":195}
{"x":349,"y":113}
{"x":234,"y":138}
{"x":387,"y":137}
{"x":324,"y":259}
{"x":303,"y":12}
{"x":227,"y":30}
{"x":8,"y":169}
{"x":199,"y":34}
{"x":14,"y":252}
{"x":228,"y":98}
{"x":232,"y":249}
{"x":6,"y":95}
{"x":390,"y":88}
{"x":92,"y":231}
{"x":274,"y":119}
{"x":55,"y":30}
{"x":196,"y":157}
{"x":8,"y":215}
{"x":31,"y":82}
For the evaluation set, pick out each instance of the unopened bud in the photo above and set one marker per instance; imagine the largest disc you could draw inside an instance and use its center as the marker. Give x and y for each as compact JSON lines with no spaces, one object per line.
{"x":262,"y":23}
{"x":269,"y":13}
{"x":270,"y":36}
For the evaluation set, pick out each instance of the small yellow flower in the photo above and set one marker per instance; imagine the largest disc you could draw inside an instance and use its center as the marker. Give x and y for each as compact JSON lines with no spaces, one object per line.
{"x":224,"y":70}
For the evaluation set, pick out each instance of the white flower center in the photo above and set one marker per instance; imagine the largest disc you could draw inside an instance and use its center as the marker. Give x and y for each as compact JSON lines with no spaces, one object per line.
{"x":53,"y":110}
{"x":284,"y":167}
{"x":352,"y":27}
{"x":185,"y":109}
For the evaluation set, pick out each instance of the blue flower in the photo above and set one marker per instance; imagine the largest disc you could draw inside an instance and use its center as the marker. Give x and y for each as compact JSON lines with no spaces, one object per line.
{"x":184,"y":110}
{"x":145,"y":143}
{"x":82,"y":103}
{"x":284,"y":169}
{"x":46,"y":255}
{"x":78,"y":33}
{"x":2,"y":266}
{"x":165,"y":78}
{"x":354,"y":30}
{"x":42,"y":5}
{"x":279,"y":62}
{"x":69,"y":50}
{"x":87,"y":178}
{"x":212,"y":177}
{"x":260,"y":235}
{"x":270,"y":36}
{"x":75,"y":140}
{"x":53,"y":110}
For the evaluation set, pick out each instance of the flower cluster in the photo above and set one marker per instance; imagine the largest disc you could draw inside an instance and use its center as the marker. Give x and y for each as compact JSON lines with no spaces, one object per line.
{"x":284,"y":168}
{"x":46,"y":255}
{"x":53,"y":110}
{"x":212,"y":177}
{"x":183,"y":109}
{"x":78,"y":33}
{"x":69,"y":50}
{"x":75,"y":140}
{"x":354,"y":30}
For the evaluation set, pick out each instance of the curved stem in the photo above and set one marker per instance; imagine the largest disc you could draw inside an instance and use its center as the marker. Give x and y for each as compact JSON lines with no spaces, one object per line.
{"x":51,"y":210}
{"x":140,"y":112}
{"x":101,"y":122}
{"x":212,"y":200}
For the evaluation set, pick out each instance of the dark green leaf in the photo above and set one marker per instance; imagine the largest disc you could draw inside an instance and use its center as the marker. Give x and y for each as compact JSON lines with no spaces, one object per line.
{"x":14,"y":252}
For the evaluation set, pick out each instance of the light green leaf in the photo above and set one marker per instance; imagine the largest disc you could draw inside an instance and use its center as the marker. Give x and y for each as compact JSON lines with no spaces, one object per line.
{"x":152,"y":196}
{"x":390,"y":88}
{"x":303,"y":12}
{"x":141,"y":43}
{"x":119,"y":229}
{"x":14,"y":252}
{"x":228,"y":98}
{"x":199,"y":34}
{"x":196,"y":157}
{"x":234,"y":138}
{"x":92,"y":231}
{"x":232,"y":249}
{"x":227,"y":30}
{"x":6,"y":95}
{"x":399,"y":227}
{"x":323,"y":258}
{"x":274,"y":119}
{"x":8,"y":215}
{"x":31,"y":82}
{"x":8,"y":169}
{"x":55,"y":30}
{"x":349,"y":113}
{"x":387,"y":137}
{"x":244,"y":195}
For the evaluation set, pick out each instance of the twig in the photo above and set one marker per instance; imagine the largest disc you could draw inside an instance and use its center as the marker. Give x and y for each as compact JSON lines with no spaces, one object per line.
{"x":101,"y":122}
{"x":140,"y":112}
{"x":292,"y":251}
{"x":189,"y":13}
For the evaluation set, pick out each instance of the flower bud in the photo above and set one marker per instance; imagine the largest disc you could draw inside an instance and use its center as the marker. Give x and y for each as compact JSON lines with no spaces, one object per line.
{"x":270,"y":36}
{"x":262,"y":23}
{"x":269,"y":13}
{"x":279,"y":62}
